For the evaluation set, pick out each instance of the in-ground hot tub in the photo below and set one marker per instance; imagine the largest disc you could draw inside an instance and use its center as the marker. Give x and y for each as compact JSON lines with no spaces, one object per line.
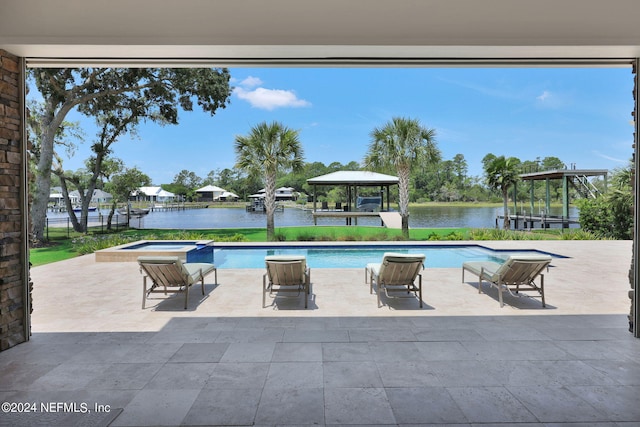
{"x":187,"y":250}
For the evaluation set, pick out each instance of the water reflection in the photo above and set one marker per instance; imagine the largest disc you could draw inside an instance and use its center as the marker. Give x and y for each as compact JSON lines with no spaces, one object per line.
{"x":419,"y":217}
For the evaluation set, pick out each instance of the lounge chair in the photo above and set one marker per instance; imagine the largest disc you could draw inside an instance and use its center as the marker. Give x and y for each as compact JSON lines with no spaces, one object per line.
{"x":286,"y":274}
{"x":516,"y":274}
{"x":169,"y":272}
{"x":396,"y":275}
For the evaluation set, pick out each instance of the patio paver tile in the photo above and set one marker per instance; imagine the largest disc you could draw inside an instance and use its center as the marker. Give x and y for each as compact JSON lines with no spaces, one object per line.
{"x":297,"y":406}
{"x":490,"y":405}
{"x":423,"y":405}
{"x":224,"y":407}
{"x":357,"y":406}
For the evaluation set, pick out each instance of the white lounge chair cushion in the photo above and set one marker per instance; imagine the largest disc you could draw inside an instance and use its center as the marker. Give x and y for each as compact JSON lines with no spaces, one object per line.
{"x":396,"y":258}
{"x":194,"y":269}
{"x":374,"y":268}
{"x":493,"y":270}
{"x":191,"y":270}
{"x":290,"y":258}
{"x":477,"y":266}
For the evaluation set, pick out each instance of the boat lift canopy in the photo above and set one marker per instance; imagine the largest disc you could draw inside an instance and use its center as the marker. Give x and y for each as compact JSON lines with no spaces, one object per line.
{"x":575,"y":177}
{"x":352,"y":180}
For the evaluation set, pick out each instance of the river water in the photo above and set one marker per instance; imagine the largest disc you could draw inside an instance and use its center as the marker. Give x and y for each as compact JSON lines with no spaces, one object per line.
{"x":419,"y":217}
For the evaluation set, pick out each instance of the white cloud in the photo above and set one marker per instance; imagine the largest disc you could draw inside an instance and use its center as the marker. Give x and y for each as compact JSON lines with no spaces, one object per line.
{"x":545,"y":95}
{"x":270,"y":99}
{"x":613,"y":159}
{"x":553,"y":100}
{"x":251,"y":82}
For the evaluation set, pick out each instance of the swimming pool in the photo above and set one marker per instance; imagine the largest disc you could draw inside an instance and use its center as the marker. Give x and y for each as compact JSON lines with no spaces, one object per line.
{"x":437,"y":256}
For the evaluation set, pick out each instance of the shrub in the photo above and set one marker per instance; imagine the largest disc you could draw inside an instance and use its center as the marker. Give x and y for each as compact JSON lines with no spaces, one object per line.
{"x":500,"y":234}
{"x":454,"y":235}
{"x":578,"y":234}
{"x":608,"y":216}
{"x":235,"y":238}
{"x":305,"y":237}
{"x":348,"y":238}
{"x":89,"y":244}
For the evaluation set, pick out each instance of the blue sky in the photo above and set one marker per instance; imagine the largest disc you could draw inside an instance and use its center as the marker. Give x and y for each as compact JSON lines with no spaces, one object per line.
{"x":580,"y":115}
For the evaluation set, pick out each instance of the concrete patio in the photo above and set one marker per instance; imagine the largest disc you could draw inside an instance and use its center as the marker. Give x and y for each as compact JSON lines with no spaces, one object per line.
{"x":460,"y":361}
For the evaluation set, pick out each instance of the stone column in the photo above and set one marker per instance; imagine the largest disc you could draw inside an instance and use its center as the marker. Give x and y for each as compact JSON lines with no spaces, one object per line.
{"x":14,"y":312}
{"x":633,"y":270}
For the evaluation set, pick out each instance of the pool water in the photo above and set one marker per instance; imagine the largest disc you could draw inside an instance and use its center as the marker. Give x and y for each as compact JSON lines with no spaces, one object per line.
{"x":358,"y":257}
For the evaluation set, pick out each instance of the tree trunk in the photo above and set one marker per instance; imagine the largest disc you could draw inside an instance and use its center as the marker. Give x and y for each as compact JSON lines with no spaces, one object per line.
{"x":270,"y":204}
{"x":506,"y":225}
{"x":42,"y":186}
{"x":403,"y":190}
{"x":50,"y":124}
{"x":85,"y":199}
{"x":111,"y":213}
{"x":67,"y":202}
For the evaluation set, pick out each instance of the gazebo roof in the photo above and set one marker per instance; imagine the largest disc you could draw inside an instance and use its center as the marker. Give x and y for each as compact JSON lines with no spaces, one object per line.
{"x":354,"y":178}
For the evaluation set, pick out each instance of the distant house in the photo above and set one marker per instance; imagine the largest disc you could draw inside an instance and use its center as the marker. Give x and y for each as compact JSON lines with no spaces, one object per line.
{"x":98,"y":196}
{"x":153,"y":194}
{"x":209,"y":193}
{"x":228,"y":196}
{"x":212,"y":193}
{"x":57,"y":199}
{"x":282,"y":193}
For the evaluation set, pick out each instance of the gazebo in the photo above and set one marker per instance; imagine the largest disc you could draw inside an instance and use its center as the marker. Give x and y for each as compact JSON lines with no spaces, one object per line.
{"x":352,"y":180}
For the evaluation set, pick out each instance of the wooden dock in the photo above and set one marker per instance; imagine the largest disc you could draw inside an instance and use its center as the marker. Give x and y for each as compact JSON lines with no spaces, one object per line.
{"x":177,"y":206}
{"x":531,"y":221}
{"x":387,"y":219}
{"x":349,"y":216}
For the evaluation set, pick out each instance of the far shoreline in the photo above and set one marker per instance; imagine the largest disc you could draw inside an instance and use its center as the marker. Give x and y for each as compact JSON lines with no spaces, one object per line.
{"x":290,"y":204}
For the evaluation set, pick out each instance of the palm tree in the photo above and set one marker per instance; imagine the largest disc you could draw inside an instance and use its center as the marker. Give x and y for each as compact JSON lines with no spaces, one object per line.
{"x":265,"y":150}
{"x":399,"y":145}
{"x":502,"y":173}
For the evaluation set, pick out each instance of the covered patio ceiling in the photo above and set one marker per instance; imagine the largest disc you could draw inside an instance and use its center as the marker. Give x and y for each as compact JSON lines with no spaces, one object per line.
{"x":329,"y":32}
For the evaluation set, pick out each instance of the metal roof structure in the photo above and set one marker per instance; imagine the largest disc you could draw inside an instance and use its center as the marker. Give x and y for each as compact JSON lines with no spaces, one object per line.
{"x":576,"y":177}
{"x":359,"y":178}
{"x":560,"y":173}
{"x":352,"y":180}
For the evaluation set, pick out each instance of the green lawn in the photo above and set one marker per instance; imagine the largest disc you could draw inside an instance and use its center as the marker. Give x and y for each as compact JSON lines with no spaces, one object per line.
{"x":58,"y":251}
